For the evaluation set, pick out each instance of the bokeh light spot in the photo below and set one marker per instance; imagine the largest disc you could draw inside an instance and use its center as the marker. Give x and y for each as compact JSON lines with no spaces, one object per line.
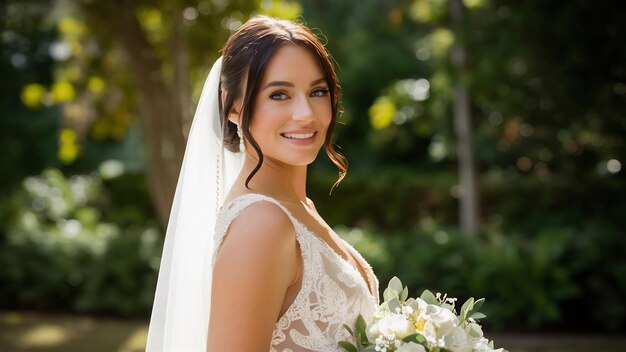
{"x":613,"y":166}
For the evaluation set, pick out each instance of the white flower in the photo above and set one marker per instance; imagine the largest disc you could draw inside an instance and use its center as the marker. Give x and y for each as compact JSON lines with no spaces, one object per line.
{"x":444,"y":320}
{"x":421,"y":304}
{"x":407,"y":310}
{"x":392,"y":325}
{"x":411,"y":347}
{"x":482,"y":346}
{"x":458,"y":341}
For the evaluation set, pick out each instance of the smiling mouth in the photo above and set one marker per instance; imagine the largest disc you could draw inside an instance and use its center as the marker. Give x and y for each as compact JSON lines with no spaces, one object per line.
{"x":298,"y":135}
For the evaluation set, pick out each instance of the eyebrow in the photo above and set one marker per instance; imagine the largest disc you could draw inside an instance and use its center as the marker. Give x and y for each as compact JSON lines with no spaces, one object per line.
{"x":289,"y":84}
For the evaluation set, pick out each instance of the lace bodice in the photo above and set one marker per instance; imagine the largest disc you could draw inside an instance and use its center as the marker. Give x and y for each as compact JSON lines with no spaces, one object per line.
{"x":333,"y":292}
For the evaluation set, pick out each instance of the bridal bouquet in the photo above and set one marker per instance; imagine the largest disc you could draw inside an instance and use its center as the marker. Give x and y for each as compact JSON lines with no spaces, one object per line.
{"x":425,"y":324}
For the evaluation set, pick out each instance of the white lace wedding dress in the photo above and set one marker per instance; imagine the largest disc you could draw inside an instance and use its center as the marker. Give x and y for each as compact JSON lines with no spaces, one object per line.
{"x":333,"y":291}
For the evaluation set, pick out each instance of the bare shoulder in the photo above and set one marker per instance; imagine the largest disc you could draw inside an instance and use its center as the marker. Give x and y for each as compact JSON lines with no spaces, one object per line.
{"x":260,"y":227}
{"x":265,"y":218}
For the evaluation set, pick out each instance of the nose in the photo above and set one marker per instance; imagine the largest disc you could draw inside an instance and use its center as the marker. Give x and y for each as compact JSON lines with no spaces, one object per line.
{"x":302,"y":110}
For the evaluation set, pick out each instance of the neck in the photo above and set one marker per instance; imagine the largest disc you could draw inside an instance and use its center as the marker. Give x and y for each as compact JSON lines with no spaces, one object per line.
{"x":278,"y":180}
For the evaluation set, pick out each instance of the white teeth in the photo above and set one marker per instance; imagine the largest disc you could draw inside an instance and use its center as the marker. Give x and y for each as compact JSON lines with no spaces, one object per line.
{"x":299,"y":135}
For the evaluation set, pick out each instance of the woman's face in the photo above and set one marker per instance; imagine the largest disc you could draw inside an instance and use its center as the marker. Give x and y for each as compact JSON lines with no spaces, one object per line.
{"x":292,"y":109}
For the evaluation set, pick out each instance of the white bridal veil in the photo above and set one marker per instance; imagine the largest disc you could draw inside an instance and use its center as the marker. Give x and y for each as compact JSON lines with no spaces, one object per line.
{"x":180,"y":314}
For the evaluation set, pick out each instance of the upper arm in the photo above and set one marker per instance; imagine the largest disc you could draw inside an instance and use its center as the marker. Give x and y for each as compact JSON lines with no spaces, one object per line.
{"x":253,"y":269}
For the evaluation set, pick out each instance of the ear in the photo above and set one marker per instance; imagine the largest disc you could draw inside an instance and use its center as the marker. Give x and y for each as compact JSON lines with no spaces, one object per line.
{"x":235,"y":109}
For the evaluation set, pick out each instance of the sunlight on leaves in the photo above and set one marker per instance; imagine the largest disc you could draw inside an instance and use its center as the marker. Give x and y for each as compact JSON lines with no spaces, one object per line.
{"x":381,"y":113}
{"x":71,"y":27}
{"x":281,"y":9}
{"x":151,"y":19}
{"x":472,"y":4}
{"x":426,"y":10}
{"x":421,"y":11}
{"x":441,"y":39}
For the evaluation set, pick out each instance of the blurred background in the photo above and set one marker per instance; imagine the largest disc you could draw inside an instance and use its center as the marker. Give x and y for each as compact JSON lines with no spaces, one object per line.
{"x":486,"y":141}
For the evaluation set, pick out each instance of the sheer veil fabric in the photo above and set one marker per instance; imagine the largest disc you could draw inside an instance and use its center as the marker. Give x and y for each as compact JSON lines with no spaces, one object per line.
{"x":182,"y":302}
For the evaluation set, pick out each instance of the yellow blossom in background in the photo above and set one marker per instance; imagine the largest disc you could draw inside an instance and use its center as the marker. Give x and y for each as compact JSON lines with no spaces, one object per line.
{"x":71,"y":27}
{"x":62,"y":92}
{"x":95,"y":84}
{"x":441,"y":40}
{"x":33,"y":94}
{"x":151,"y":19}
{"x":381,"y":113}
{"x":68,"y":146}
{"x":281,"y":9}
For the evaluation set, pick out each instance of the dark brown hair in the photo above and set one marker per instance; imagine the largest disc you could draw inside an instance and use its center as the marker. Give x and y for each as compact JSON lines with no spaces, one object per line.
{"x":247,"y":54}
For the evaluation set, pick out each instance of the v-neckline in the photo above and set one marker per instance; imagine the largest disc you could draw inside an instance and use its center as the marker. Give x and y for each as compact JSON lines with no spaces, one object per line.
{"x":365,"y":279}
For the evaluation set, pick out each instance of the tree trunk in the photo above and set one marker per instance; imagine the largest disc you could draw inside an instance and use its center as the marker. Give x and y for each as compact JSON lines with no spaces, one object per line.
{"x":469,"y":195}
{"x":163,"y":105}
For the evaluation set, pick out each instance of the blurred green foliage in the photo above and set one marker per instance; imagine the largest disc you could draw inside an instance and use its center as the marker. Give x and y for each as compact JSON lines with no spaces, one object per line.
{"x":80,"y":244}
{"x":561,"y":278}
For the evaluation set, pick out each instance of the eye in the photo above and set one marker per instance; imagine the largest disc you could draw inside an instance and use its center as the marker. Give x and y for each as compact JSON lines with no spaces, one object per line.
{"x":320,"y":92}
{"x":278,"y":96}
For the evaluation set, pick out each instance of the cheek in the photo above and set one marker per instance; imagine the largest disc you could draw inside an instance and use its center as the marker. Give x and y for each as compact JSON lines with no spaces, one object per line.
{"x":327,"y":117}
{"x":324,"y":112}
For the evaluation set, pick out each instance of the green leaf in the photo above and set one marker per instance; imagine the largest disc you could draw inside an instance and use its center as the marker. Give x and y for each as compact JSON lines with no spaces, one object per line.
{"x":405,"y":294}
{"x":348,"y":346}
{"x":477,"y":315}
{"x":395,"y":284}
{"x":361,"y":327}
{"x":417,"y":338}
{"x":371,"y":348}
{"x":412,"y":337}
{"x":349,"y":329}
{"x":478,"y":304}
{"x":389,"y":294}
{"x":360,"y":324}
{"x":467,"y":306}
{"x":393,"y":304}
{"x":421,"y":339}
{"x":429,"y":298}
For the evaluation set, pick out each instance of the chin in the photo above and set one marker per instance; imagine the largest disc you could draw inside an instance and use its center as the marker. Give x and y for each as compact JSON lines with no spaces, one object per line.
{"x":294,"y":160}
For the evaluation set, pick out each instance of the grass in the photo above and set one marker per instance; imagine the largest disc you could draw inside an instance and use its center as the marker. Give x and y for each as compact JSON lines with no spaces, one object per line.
{"x":30,"y":331}
{"x":25,"y":331}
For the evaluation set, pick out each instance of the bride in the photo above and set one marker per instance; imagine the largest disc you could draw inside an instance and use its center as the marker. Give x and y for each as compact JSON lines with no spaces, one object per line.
{"x":248,"y":264}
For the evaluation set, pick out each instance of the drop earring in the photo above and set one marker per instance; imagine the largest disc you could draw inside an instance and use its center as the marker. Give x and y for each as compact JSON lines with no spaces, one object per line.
{"x":240,"y":134}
